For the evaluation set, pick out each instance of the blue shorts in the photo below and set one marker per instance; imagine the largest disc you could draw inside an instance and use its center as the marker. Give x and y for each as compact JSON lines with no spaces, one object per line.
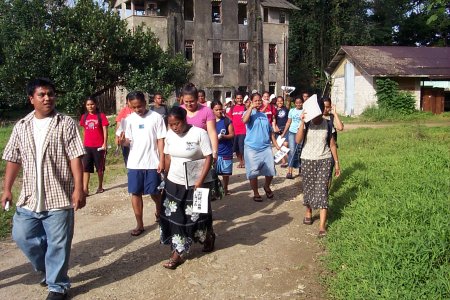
{"x":224,"y":166}
{"x":238,"y":143}
{"x":143,"y":182}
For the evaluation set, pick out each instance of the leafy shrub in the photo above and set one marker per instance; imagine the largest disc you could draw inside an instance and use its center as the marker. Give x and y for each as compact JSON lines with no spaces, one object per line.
{"x":389,"y":233}
{"x":374,"y":114}
{"x":390,"y":98}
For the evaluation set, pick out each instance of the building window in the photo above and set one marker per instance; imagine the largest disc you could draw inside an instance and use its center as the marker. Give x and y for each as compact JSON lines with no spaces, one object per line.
{"x":282,"y":17}
{"x":217,"y":63}
{"x":227,"y":94}
{"x":217,"y":95}
{"x":243,"y":53}
{"x":188,"y":50}
{"x":242,"y":13}
{"x":189,"y":10}
{"x":242,"y":89}
{"x":216,"y":11}
{"x":272,"y":87}
{"x":272,"y":53}
{"x":266,"y":15}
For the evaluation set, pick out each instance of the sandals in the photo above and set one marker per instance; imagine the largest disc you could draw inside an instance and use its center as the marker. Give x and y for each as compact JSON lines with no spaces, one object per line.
{"x":227,"y":193}
{"x":99,"y":191}
{"x":268,"y":192}
{"x":257,"y":198}
{"x":307,"y":221}
{"x":289,"y":176}
{"x":173,"y":263}
{"x":241,"y":166}
{"x":208,"y":245}
{"x":137,"y":232}
{"x":284,"y":165}
{"x":322,"y":233}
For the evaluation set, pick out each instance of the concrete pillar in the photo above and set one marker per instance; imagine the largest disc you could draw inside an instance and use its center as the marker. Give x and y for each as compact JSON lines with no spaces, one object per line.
{"x":132,"y":8}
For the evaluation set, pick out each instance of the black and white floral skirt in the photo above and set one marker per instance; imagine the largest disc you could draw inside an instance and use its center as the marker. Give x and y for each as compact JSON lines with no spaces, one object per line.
{"x":316,"y":174}
{"x":180,"y":227}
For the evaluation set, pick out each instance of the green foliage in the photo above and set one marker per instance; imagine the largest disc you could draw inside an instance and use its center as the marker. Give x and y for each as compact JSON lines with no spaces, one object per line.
{"x":85,"y":49}
{"x":390,"y":98}
{"x":389,"y":233}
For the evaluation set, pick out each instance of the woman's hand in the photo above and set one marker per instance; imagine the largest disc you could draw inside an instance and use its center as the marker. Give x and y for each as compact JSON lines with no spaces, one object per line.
{"x":337,"y":170}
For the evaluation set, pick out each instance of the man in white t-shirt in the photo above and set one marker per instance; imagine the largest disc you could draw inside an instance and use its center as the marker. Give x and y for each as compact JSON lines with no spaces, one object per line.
{"x":144,"y":133}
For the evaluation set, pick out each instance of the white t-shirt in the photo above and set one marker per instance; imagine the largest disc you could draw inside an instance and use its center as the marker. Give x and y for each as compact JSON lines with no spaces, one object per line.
{"x":193,"y":145}
{"x":144,"y":133}
{"x":40,"y":129}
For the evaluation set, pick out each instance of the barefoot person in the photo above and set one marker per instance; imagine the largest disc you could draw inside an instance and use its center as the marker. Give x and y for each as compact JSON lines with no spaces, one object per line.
{"x":145,"y":133}
{"x":180,"y":227}
{"x":318,"y":153}
{"x":95,"y":125}
{"x":48,"y":147}
{"x":225,"y":134}
{"x":258,"y":154}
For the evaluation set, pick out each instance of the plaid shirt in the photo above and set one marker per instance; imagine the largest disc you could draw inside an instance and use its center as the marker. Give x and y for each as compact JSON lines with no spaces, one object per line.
{"x":62,"y":144}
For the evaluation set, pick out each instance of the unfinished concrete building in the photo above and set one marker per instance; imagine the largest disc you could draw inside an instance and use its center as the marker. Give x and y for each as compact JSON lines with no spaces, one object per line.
{"x":233,"y":44}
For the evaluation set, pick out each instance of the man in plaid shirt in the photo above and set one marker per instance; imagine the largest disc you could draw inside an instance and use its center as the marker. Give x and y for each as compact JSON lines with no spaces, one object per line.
{"x":47,"y":145}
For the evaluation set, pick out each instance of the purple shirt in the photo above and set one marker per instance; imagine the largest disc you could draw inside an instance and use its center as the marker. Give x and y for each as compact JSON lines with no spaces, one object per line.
{"x":203,"y":115}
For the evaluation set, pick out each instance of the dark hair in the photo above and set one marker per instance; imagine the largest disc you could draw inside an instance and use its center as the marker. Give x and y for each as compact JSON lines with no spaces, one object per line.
{"x":255,"y":94}
{"x":39,"y":82}
{"x":93,"y":99}
{"x":158,"y":93}
{"x":201,"y":91}
{"x":265,"y":92}
{"x":326,"y":99}
{"x":136,"y":95}
{"x":190,"y":90}
{"x":239,"y":93}
{"x":299,"y":98}
{"x":321,"y":104}
{"x":178,"y":112}
{"x":215,"y":102}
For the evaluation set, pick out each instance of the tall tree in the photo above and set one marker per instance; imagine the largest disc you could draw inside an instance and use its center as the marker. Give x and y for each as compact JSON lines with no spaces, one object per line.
{"x":84,"y":48}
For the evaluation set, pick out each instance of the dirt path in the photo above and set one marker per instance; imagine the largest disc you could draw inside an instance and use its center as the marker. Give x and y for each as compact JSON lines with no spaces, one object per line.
{"x":263,"y":251}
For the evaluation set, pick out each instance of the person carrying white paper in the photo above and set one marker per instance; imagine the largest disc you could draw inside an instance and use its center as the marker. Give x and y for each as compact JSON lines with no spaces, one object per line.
{"x":318,"y":153}
{"x":180,"y":226}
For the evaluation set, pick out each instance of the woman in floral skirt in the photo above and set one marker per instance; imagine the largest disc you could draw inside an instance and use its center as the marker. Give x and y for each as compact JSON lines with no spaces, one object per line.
{"x":180,"y":226}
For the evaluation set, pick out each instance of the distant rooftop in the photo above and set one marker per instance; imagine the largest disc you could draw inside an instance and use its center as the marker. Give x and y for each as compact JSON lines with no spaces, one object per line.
{"x":279,"y":4}
{"x":397,"y":61}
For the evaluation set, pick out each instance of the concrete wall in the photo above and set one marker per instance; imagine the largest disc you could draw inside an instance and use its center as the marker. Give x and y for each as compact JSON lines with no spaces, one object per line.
{"x":158,"y":25}
{"x":365,"y":89}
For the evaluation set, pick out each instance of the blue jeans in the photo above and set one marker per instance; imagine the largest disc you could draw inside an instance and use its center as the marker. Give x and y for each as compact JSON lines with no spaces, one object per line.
{"x":294,"y":150}
{"x":45,"y":238}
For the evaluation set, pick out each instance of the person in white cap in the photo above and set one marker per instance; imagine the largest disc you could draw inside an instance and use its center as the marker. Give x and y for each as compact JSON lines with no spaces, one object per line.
{"x":228,"y":104}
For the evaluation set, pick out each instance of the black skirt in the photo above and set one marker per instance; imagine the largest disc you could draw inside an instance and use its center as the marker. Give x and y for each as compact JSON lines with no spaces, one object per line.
{"x":180,"y":227}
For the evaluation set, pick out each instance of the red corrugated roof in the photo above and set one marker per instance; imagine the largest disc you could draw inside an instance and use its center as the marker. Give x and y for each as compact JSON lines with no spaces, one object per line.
{"x":396,"y":61}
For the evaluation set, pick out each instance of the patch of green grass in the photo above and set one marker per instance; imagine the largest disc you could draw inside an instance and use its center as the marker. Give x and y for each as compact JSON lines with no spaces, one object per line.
{"x":389,"y":226}
{"x":375,"y":114}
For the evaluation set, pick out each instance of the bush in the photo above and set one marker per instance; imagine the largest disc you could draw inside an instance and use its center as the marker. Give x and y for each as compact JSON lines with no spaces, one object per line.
{"x":389,"y":233}
{"x":374,"y":114}
{"x":390,"y":98}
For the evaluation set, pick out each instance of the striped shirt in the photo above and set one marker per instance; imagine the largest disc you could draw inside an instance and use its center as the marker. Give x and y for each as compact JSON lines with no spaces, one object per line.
{"x":61,"y":144}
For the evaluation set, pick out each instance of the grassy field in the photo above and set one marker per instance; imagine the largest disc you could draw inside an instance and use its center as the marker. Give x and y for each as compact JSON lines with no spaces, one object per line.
{"x":389,"y":228}
{"x":376,"y":115}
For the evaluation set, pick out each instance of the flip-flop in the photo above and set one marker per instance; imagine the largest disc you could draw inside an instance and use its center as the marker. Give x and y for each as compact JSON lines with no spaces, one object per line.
{"x":99,"y":191}
{"x":137,"y":232}
{"x":269,"y":193}
{"x":241,"y":166}
{"x":257,"y":199}
{"x":307,"y":221}
{"x":322,"y":233}
{"x":227,"y":193}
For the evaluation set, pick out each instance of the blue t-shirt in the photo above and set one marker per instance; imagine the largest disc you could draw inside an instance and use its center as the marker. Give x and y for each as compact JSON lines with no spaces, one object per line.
{"x":258,"y":131}
{"x":295,"y":116}
{"x":225,"y":146}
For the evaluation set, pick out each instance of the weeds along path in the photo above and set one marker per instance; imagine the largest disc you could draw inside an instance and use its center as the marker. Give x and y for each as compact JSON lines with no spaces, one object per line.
{"x":263,"y":251}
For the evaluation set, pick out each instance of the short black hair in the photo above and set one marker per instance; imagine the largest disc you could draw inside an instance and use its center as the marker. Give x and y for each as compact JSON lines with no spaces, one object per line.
{"x":216,"y":102}
{"x":39,"y":82}
{"x":178,"y":112}
{"x":136,"y":95}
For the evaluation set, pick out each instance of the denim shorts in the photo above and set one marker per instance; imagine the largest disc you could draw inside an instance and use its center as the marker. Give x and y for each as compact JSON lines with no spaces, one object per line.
{"x":143,"y":182}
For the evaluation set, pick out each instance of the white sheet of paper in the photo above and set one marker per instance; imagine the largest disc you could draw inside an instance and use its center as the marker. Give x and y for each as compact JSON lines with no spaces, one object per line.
{"x":280,"y":154}
{"x":280,"y":141}
{"x":311,"y":108}
{"x":200,"y":201}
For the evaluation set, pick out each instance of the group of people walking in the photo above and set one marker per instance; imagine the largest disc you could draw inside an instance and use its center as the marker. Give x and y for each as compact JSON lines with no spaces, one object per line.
{"x":157,"y":144}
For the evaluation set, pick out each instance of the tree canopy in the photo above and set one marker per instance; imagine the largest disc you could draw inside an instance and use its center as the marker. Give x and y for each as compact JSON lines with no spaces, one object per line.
{"x":320,"y":27}
{"x":85,"y":49}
